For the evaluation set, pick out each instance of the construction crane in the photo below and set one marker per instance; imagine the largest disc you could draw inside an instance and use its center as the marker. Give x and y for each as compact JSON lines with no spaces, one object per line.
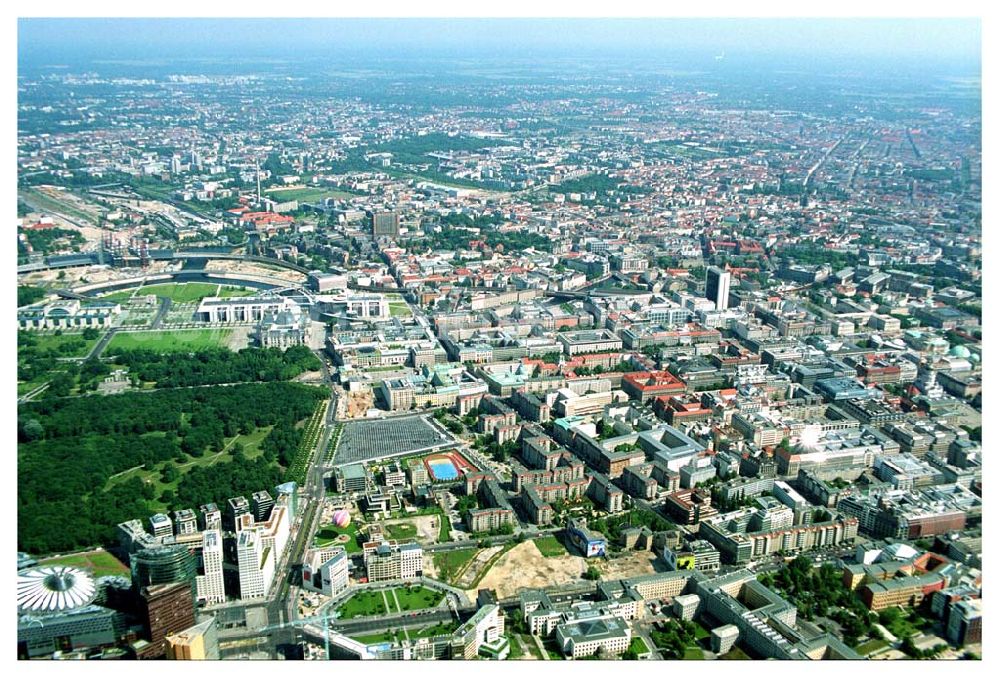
{"x":326,"y":632}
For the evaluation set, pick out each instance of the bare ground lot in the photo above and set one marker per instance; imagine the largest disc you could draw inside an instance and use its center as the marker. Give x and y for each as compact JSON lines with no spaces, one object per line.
{"x":237,"y":266}
{"x":478,"y":563}
{"x":49,"y":199}
{"x":76,"y":276}
{"x":428,"y":527}
{"x":430,"y":569}
{"x":92,"y":235}
{"x":629,"y":564}
{"x":524,"y":567}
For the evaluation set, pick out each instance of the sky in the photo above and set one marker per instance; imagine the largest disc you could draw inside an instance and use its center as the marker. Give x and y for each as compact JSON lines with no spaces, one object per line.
{"x":955,"y":41}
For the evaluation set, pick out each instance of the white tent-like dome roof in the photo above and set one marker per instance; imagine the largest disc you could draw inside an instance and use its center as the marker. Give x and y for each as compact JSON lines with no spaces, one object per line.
{"x":53,"y":588}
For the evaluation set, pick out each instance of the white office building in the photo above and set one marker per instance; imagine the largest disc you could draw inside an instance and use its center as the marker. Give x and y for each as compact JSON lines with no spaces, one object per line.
{"x":486,"y":627}
{"x":275,"y":531}
{"x":244,"y":310}
{"x":388,"y":560}
{"x":368,"y":306}
{"x":326,"y":571}
{"x":209,"y":584}
{"x":256,"y":564}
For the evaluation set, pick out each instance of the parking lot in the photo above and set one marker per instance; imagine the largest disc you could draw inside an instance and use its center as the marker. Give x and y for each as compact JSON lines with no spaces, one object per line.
{"x":374,"y":439}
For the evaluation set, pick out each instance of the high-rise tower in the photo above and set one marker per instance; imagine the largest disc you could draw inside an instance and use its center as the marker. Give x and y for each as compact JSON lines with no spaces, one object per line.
{"x":717,"y":287}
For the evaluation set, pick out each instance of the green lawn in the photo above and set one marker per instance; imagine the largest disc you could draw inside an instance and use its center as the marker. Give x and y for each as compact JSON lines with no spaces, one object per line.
{"x":69,"y":345}
{"x":904,"y":624}
{"x":638,"y":646}
{"x":328,"y":533}
{"x":866,"y":648}
{"x":400,"y":532}
{"x":370,"y":603}
{"x":365,"y":603}
{"x":515,"y":647}
{"x":180,"y":292}
{"x":118,"y":295}
{"x":693,"y":654}
{"x":445,"y":533}
{"x":98,"y":562}
{"x":235,"y":291}
{"x":23,"y":387}
{"x":450,"y":564}
{"x":417,"y":597}
{"x":700,"y":633}
{"x":434,"y":630}
{"x":377,"y":638}
{"x":400,"y":309}
{"x":529,"y":642}
{"x":550,"y":546}
{"x":170,"y":341}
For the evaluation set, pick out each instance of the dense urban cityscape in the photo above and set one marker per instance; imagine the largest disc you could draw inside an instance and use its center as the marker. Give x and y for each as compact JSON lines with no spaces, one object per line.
{"x":418,"y":358}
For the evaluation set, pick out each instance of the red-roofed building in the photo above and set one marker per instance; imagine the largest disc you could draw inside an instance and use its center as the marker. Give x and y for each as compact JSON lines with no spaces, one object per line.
{"x":266,"y":221}
{"x":605,"y":360}
{"x":546,"y":368}
{"x":676,"y":410}
{"x":646,"y":386}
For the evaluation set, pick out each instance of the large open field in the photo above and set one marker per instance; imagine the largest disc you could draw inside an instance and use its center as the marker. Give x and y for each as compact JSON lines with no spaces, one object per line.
{"x":170,"y":341}
{"x":180,"y":292}
{"x":97,"y":562}
{"x":451,"y":564}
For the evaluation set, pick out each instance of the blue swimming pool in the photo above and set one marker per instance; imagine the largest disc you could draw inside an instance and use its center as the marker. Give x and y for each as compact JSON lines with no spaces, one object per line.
{"x":443,"y":469}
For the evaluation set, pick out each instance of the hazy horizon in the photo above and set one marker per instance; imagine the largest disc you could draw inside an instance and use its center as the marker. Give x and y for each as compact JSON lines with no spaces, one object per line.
{"x":951,"y":44}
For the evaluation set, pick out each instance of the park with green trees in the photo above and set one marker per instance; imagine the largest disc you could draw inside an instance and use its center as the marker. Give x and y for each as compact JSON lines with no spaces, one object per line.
{"x":217,"y":365}
{"x":75,"y":456}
